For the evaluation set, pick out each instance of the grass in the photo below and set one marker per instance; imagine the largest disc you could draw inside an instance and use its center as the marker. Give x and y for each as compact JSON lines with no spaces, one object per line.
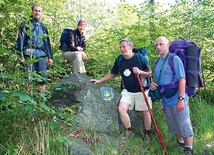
{"x":24,"y":132}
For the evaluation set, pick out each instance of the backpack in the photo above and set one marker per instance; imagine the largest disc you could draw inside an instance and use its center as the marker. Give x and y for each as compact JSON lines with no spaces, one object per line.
{"x":190,"y":55}
{"x":141,"y":53}
{"x":63,"y":38}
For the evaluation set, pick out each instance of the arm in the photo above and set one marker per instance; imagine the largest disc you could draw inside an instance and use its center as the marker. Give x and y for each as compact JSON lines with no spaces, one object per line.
{"x":148,"y":73}
{"x":70,"y":40}
{"x":105,"y":78}
{"x":181,"y":92}
{"x":21,"y":40}
{"x":153,"y":85}
{"x":47,"y":44}
{"x":82,"y":43}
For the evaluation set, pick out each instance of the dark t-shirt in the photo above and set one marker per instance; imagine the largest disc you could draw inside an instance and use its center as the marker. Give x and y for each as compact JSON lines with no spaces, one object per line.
{"x":124,"y":68}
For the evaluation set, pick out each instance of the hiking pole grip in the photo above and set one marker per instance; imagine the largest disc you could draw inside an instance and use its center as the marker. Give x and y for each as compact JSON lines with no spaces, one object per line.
{"x":150,"y":111}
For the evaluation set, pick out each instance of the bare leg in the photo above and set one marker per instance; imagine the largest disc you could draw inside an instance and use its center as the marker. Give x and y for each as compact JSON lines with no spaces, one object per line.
{"x":178,"y":136}
{"x":188,"y":141}
{"x":122,"y":109}
{"x":42,"y":88}
{"x":146,"y":119}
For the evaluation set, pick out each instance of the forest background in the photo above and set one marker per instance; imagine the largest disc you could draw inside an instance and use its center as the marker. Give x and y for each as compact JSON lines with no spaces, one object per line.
{"x":107,"y":25}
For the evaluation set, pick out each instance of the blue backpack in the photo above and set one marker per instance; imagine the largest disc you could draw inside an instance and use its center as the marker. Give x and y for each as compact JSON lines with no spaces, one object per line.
{"x":190,"y":54}
{"x":66,"y":32}
{"x":142,"y":56}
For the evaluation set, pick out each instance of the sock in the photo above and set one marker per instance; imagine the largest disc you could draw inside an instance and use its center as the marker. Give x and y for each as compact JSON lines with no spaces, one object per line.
{"x":146,"y":132}
{"x":181,"y":141}
{"x":188,"y":147}
{"x":129,"y":129}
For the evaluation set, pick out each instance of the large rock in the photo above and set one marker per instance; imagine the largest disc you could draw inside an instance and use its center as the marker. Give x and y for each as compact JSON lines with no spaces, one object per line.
{"x":96,"y":112}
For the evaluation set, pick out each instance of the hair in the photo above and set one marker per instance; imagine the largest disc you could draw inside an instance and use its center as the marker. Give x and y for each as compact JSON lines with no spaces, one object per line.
{"x":35,"y":5}
{"x":164,"y":38}
{"x":80,"y":22}
{"x":128,"y":41}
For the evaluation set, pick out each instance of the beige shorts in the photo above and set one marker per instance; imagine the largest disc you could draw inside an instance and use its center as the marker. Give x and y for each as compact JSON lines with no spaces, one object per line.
{"x":136,"y":100}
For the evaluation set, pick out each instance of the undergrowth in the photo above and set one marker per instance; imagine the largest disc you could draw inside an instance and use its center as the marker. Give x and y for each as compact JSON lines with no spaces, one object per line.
{"x":36,"y":129}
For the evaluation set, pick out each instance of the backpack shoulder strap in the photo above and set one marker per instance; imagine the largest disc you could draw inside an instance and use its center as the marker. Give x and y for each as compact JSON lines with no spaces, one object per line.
{"x":170,"y":61}
{"x":118,"y":60}
{"x":157,"y":61}
{"x":141,"y":59}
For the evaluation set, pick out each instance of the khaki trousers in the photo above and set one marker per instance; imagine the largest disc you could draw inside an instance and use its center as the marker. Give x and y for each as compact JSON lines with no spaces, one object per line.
{"x":75,"y":57}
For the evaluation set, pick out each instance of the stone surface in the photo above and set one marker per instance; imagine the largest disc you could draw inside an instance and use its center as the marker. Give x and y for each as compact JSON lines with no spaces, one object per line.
{"x":94,"y":112}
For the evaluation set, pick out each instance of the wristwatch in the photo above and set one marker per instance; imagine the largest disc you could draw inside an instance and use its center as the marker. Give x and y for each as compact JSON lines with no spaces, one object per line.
{"x":181,"y":98}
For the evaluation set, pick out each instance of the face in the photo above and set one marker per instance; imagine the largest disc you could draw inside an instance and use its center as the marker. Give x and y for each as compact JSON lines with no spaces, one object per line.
{"x":125,"y":49}
{"x":162,"y":45}
{"x":82,"y":27}
{"x":37,"y":12}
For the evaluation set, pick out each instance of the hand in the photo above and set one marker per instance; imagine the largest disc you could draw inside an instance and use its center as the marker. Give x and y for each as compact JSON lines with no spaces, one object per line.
{"x":84,"y":33}
{"x":153,"y":86}
{"x":95,"y":81}
{"x":136,"y":70}
{"x":22,"y":60}
{"x":79,"y":48}
{"x":84,"y":56}
{"x":180,"y":105}
{"x":50,"y":62}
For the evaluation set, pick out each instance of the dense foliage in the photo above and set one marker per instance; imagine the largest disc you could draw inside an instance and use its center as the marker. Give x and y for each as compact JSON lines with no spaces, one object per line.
{"x":21,"y":112}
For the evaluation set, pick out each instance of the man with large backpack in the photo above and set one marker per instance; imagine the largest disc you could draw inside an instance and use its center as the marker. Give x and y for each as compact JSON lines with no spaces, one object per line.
{"x":33,"y":42}
{"x":73,"y":44}
{"x":175,"y":99}
{"x":127,"y":65}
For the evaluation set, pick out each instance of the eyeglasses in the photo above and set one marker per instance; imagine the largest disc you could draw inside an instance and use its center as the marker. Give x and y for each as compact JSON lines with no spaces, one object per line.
{"x":37,"y":10}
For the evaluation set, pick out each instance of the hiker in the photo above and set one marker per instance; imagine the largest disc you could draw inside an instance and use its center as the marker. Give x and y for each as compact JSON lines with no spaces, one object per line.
{"x":131,"y":91}
{"x":175,"y":107}
{"x":75,"y":45}
{"x":37,"y":45}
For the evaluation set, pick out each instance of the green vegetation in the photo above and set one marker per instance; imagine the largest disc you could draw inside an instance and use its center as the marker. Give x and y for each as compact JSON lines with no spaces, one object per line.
{"x":30,"y":125}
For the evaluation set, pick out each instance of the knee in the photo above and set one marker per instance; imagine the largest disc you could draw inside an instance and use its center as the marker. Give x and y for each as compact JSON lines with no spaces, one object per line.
{"x":146,"y":113}
{"x":79,"y":55}
{"x":121,"y":109}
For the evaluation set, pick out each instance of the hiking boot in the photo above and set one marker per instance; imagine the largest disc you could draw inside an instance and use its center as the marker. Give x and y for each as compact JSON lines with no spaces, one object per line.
{"x":125,"y":138}
{"x":147,"y":135}
{"x":129,"y":134}
{"x":181,"y":144}
{"x":188,"y":151}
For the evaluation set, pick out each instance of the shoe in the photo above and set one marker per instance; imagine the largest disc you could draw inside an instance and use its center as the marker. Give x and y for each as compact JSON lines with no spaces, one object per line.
{"x":147,"y":135}
{"x":181,"y":144}
{"x":129,"y":134}
{"x":188,"y":151}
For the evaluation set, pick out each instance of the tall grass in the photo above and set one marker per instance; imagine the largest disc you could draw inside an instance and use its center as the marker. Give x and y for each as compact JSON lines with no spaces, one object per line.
{"x":26,"y":131}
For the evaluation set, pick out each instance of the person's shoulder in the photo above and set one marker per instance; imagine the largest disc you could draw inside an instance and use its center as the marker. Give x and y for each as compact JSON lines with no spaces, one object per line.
{"x":23,"y":24}
{"x":175,"y":57}
{"x":118,"y":59}
{"x":43,"y":25}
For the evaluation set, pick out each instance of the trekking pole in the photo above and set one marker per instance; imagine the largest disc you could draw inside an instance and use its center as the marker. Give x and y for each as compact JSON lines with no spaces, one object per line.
{"x":150,"y":111}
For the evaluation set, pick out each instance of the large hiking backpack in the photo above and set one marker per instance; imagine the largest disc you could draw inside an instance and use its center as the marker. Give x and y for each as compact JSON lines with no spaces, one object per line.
{"x":142,"y":56}
{"x":190,"y":54}
{"x":64,"y":37}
